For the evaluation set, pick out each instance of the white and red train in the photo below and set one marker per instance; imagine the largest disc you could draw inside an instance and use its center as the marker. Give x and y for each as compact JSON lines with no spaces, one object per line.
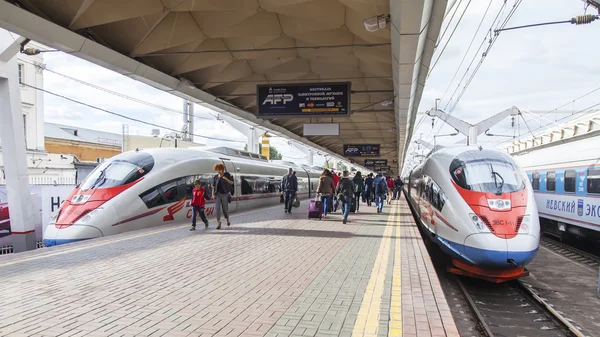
{"x":140,"y":189}
{"x":479,"y":208}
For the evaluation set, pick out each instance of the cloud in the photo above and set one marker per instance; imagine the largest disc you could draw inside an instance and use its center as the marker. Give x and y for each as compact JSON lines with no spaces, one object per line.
{"x":538,"y":68}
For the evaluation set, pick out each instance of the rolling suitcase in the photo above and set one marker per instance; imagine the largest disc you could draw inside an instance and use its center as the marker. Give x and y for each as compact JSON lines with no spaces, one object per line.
{"x":353,"y":206}
{"x":315,"y":209}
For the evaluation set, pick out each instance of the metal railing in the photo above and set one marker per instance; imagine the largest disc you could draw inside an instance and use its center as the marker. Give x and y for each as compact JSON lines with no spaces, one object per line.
{"x":9,"y":249}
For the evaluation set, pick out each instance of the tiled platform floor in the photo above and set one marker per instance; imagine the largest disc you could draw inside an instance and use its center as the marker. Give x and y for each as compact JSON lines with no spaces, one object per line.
{"x":270,"y":274}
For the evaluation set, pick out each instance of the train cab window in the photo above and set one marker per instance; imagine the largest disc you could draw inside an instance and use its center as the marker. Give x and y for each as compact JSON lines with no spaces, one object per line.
{"x":119,"y":170}
{"x":487,"y":175}
{"x":593,"y":180}
{"x":551,"y":181}
{"x":570,"y":184}
{"x":535,"y":181}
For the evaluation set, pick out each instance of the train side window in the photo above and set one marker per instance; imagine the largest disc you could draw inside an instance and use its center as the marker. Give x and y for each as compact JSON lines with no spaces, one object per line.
{"x":593,"y":180}
{"x":152,"y":198}
{"x":205,"y":181}
{"x":535,"y":181}
{"x":551,"y":181}
{"x":570,"y":184}
{"x":170,"y":191}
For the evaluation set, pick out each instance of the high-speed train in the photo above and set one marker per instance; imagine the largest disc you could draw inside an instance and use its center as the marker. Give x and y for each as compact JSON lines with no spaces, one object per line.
{"x":565,"y":176}
{"x":479,"y":208}
{"x":140,"y":189}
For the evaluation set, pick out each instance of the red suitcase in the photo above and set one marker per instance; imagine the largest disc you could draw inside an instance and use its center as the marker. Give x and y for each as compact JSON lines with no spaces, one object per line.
{"x":315,"y":209}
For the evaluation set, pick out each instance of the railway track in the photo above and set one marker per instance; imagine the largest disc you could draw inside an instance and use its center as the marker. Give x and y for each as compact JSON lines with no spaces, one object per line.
{"x":512,"y":309}
{"x":584,"y":258}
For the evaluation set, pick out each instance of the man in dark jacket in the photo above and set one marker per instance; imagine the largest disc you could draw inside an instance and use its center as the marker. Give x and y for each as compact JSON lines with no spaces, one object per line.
{"x":289,"y":187}
{"x":345,"y":192}
{"x":369,"y":189}
{"x":397,"y":188}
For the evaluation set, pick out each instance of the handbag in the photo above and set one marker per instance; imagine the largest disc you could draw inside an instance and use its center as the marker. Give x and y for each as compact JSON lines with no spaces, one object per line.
{"x":281,"y":199}
{"x":229,"y":198}
{"x":296,"y":202}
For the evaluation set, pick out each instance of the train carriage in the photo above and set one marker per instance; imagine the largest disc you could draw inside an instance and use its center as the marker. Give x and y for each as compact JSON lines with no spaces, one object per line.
{"x":478,"y":207}
{"x":140,"y":189}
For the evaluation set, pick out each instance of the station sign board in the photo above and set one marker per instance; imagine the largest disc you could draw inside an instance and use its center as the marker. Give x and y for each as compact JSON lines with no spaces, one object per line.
{"x":375,"y":162}
{"x":303,"y":100}
{"x":361,"y":150}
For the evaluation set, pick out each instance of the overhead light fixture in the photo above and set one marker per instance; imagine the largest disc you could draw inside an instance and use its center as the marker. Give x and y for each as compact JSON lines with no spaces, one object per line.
{"x":387,"y":102}
{"x":376,"y":23}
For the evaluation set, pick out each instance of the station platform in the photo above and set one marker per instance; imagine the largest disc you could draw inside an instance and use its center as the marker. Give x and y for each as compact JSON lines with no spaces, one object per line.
{"x":269,"y":274}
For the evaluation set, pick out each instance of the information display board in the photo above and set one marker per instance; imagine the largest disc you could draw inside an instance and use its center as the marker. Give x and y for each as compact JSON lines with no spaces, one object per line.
{"x":305,"y":100}
{"x":375,"y":162}
{"x":361,"y":150}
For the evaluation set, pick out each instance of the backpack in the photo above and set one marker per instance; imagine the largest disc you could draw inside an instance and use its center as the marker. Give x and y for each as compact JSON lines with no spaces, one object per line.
{"x":382,"y":186}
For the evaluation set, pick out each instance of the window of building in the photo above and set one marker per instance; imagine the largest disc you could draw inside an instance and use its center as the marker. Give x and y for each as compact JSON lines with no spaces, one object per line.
{"x":21,"y":73}
{"x":570,"y":184}
{"x":535,"y":181}
{"x":593,"y":180}
{"x":551,"y":181}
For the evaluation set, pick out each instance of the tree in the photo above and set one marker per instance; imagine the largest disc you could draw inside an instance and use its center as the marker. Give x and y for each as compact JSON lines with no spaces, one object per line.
{"x":246,"y":147}
{"x":273,"y":153}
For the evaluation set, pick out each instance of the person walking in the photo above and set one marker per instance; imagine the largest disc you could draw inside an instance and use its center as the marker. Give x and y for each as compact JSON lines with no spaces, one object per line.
{"x":325,"y":189}
{"x":369,"y":190}
{"x":390,"y":187}
{"x":289,"y":186}
{"x":359,"y":184}
{"x":398,"y":183}
{"x":222,"y":190}
{"x":380,"y":191}
{"x":345,"y":193}
{"x":198,"y":202}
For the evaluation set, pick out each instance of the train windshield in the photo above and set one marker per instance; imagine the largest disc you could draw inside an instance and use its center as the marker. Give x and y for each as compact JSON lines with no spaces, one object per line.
{"x":120,"y":170}
{"x":487,"y":175}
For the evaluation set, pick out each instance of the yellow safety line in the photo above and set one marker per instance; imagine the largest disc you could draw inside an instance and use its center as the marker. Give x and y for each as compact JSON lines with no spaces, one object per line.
{"x":37,"y":257}
{"x":395,"y":324}
{"x":367,"y":322}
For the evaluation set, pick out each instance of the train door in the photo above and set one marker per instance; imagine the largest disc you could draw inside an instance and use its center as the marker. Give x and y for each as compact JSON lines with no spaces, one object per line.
{"x":232,"y":169}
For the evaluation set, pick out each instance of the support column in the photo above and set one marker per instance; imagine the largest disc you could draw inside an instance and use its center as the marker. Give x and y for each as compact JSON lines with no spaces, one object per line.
{"x":309,"y":157}
{"x":22,"y":214}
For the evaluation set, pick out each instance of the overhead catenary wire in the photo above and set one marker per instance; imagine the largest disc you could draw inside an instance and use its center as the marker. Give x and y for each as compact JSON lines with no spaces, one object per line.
{"x":467,"y":52}
{"x":126,"y":117}
{"x":449,"y":38}
{"x":97,"y":87}
{"x":498,"y":15}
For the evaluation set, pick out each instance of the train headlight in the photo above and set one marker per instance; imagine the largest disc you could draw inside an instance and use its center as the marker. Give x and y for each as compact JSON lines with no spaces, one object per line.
{"x":54,"y":217}
{"x":86,"y":218}
{"x":525,"y":224}
{"x":481,"y":227}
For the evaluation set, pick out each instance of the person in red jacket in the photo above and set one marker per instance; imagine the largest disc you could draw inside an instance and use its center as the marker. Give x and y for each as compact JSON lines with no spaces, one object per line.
{"x":198,"y":202}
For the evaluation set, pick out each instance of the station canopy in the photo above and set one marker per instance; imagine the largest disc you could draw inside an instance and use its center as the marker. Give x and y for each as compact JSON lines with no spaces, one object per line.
{"x":227,"y":47}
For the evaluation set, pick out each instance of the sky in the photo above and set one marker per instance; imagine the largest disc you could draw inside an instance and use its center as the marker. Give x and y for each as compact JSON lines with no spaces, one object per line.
{"x":537,"y":69}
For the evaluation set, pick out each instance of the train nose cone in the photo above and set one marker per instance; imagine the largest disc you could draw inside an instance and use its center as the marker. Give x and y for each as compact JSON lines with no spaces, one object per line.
{"x":55,"y":236}
{"x":490,"y":251}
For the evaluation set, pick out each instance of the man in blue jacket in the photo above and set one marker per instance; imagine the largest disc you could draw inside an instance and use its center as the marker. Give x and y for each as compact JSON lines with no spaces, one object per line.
{"x":289,"y":186}
{"x":380,"y":191}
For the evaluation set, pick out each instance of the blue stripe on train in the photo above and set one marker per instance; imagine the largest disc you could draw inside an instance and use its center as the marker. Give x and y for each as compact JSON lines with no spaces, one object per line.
{"x":484,"y":257}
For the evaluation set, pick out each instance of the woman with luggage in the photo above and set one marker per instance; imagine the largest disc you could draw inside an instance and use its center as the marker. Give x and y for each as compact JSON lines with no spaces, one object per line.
{"x":326,"y":189}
